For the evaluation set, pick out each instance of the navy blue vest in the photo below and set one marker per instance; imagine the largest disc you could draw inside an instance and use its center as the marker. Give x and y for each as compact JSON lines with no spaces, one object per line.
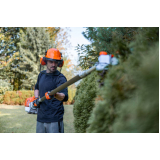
{"x":50,"y":110}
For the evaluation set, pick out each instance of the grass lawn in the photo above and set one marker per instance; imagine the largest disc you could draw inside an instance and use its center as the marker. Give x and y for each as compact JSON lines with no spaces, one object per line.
{"x":14,"y":119}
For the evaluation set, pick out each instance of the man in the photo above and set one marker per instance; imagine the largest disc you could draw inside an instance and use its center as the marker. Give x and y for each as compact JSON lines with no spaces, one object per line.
{"x":50,"y":112}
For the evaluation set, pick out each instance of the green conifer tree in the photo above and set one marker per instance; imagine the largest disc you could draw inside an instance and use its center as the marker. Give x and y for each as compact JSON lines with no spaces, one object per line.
{"x":130,"y":89}
{"x":140,"y":113}
{"x":84,"y":102}
{"x":33,"y":44}
{"x":9,"y":38}
{"x":113,"y":40}
{"x":10,"y":56}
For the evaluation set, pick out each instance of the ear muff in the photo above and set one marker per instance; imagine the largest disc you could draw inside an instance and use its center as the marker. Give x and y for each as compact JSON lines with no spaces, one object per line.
{"x":61,"y":63}
{"x":42,"y":61}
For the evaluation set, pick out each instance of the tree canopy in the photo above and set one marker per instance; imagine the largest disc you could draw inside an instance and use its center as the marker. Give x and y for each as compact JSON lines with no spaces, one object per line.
{"x":21,"y":49}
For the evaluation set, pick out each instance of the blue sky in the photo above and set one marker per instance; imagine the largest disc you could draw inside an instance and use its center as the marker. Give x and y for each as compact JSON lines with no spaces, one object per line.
{"x":75,"y":39}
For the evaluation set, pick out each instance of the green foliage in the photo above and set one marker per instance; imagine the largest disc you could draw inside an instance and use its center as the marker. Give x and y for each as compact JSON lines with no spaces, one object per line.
{"x":21,"y":49}
{"x":130,"y":93}
{"x":4,"y":86}
{"x":113,"y":40}
{"x":9,"y":57}
{"x":9,"y":37}
{"x":141,"y":112}
{"x":84,"y":102}
{"x":33,"y":44}
{"x":68,"y":71}
{"x":71,"y":95}
{"x":118,"y":86}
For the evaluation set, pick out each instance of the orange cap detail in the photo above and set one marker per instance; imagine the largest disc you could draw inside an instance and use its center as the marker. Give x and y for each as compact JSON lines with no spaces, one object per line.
{"x":103,"y":53}
{"x":53,"y":54}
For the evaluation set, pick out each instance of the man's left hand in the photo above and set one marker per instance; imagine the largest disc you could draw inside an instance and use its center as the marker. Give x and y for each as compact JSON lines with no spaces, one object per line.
{"x":36,"y":102}
{"x":59,"y":96}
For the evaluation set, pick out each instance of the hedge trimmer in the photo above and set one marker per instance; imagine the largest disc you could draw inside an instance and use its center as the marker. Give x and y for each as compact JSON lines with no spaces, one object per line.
{"x":104,"y":61}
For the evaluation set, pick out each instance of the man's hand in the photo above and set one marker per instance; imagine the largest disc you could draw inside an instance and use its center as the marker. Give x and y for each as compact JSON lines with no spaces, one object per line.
{"x":48,"y":96}
{"x":59,"y":96}
{"x":36,"y":103}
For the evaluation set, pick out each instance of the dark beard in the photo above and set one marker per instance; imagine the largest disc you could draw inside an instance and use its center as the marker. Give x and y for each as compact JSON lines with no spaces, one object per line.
{"x":51,"y":71}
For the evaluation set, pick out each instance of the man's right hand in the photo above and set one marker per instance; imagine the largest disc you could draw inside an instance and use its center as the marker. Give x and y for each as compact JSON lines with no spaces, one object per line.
{"x":36,"y":103}
{"x":48,"y":96}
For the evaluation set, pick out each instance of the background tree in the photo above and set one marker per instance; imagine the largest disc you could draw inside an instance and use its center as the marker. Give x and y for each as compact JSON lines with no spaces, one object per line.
{"x":9,"y":38}
{"x":59,"y":38}
{"x":68,"y":71}
{"x":10,"y":57}
{"x":19,"y":63}
{"x":53,"y":31}
{"x":4,"y":86}
{"x":32,"y":44}
{"x":113,"y":40}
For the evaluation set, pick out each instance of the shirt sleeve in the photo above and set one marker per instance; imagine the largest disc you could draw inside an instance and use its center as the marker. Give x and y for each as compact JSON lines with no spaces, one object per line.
{"x":60,"y":81}
{"x":37,"y":84}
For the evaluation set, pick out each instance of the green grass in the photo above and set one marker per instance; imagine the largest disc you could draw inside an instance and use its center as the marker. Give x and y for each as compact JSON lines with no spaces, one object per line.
{"x":14,"y":119}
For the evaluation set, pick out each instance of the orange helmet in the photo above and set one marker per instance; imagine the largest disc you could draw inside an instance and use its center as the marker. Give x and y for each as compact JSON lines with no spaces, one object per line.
{"x":52,"y":54}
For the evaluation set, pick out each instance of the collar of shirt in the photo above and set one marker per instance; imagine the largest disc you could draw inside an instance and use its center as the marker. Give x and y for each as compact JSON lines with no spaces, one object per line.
{"x":56,"y":73}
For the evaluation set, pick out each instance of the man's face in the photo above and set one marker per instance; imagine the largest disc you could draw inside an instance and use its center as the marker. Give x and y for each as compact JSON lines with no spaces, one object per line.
{"x":52,"y":66}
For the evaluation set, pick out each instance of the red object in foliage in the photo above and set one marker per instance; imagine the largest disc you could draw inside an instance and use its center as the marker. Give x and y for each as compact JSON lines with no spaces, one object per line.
{"x":28,"y":100}
{"x":112,"y":55}
{"x":103,"y":53}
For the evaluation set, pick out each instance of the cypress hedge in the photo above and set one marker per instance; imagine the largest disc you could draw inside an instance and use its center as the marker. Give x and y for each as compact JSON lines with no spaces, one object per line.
{"x":140,"y":114}
{"x":130,"y":93}
{"x":84,"y":102}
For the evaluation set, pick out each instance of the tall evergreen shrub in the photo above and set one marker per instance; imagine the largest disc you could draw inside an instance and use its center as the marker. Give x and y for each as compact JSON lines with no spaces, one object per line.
{"x":84,"y":102}
{"x":130,"y":92}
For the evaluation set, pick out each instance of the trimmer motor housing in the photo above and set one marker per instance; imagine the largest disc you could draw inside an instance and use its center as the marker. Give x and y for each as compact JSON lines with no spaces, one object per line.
{"x":31,"y":109}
